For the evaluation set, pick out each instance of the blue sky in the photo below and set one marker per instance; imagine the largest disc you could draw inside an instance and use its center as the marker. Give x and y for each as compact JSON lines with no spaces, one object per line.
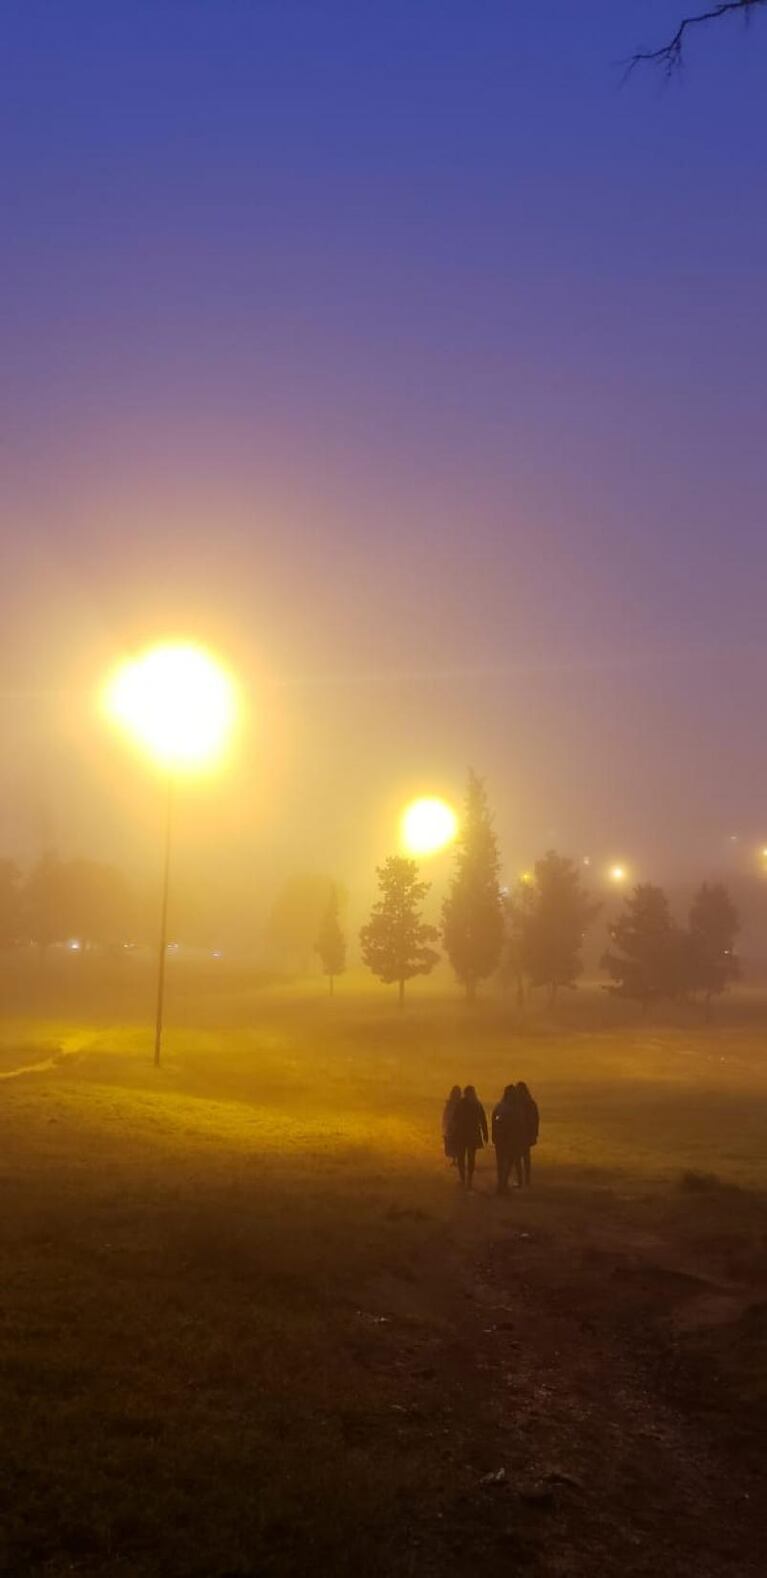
{"x":405,"y":354}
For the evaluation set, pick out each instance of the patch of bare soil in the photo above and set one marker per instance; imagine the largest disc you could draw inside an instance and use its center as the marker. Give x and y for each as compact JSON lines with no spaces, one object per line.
{"x":590,"y":1408}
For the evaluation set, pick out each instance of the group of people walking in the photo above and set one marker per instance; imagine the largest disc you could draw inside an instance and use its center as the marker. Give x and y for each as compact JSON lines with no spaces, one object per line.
{"x":514,"y":1131}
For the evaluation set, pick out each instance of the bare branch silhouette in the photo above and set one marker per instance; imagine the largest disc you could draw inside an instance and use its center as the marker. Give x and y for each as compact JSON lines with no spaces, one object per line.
{"x":670,"y":55}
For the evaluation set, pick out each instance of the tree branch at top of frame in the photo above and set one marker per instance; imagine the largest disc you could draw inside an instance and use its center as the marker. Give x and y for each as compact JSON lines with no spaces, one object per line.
{"x":670,"y":56}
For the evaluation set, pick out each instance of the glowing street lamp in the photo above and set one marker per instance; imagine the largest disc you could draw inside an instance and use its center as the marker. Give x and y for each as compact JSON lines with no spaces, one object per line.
{"x":177,"y":702}
{"x":179,"y":705}
{"x":617,"y":874}
{"x":428,"y":825}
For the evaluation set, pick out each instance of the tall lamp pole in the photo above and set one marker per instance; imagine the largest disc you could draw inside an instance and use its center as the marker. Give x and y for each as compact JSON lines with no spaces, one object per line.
{"x":180,"y":706}
{"x":163,"y":922}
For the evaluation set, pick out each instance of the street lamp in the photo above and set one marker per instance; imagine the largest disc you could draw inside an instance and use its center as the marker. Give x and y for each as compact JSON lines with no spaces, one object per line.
{"x":427,"y":825}
{"x":179,"y":705}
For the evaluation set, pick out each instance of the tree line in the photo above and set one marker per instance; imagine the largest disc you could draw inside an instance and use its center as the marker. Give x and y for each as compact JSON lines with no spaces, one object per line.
{"x":61,"y":899}
{"x":529,"y":937}
{"x":532,"y":936}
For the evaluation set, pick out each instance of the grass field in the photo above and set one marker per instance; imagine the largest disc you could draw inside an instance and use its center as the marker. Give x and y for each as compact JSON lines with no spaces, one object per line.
{"x":251,"y":1326}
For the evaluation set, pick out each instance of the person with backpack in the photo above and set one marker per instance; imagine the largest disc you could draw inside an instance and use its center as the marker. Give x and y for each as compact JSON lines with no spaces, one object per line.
{"x":468,"y":1133}
{"x":530,"y":1124}
{"x":508,"y":1134}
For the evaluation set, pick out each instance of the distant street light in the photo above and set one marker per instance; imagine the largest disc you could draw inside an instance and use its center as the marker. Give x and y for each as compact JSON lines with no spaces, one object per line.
{"x":179,"y":705}
{"x":617,"y":874}
{"x":428,"y":825}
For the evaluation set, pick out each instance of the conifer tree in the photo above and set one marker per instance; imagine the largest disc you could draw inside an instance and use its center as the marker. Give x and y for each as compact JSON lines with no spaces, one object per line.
{"x":650,"y":960}
{"x":472,"y":914}
{"x":558,"y":912}
{"x":331,"y":942}
{"x":517,"y":907}
{"x":396,"y":941}
{"x":714,"y":925}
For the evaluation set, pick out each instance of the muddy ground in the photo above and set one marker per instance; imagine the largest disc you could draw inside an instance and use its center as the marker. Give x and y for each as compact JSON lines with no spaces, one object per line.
{"x":597,"y":1388}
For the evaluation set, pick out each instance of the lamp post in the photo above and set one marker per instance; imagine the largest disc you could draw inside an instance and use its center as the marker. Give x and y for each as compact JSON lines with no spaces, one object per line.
{"x":178,"y":704}
{"x":163,"y":922}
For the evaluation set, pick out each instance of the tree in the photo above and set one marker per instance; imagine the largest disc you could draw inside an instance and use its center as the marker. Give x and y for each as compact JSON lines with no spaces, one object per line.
{"x":554,"y":922}
{"x":472,"y":914}
{"x":331,"y":942}
{"x":714,"y":925}
{"x":97,"y":904}
{"x":670,"y":56}
{"x":76,"y":898}
{"x":395,"y":942}
{"x":295,"y":918}
{"x":44,"y":901}
{"x":517,"y":906}
{"x":10,"y":903}
{"x":652,"y":960}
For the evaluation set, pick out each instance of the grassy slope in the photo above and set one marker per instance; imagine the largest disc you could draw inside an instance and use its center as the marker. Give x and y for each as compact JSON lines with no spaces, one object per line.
{"x":195,"y":1374}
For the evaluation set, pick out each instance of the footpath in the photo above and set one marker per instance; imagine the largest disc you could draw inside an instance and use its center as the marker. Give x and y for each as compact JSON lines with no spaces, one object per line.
{"x":569,"y":1384}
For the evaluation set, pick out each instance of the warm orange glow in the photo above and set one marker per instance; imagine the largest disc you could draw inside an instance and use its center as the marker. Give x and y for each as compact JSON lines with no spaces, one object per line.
{"x":617,"y":873}
{"x":176,"y":702}
{"x":428,"y":825}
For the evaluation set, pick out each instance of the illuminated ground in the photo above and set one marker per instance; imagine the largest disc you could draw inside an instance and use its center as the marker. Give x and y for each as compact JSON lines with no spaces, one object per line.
{"x":249,"y":1325}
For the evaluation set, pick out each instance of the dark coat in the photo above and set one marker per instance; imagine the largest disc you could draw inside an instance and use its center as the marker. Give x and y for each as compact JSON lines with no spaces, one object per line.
{"x":469,"y":1127}
{"x":530,"y":1119}
{"x":509,"y":1128}
{"x":450,"y":1108}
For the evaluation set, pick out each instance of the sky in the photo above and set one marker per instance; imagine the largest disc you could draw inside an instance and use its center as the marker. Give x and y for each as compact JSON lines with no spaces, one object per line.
{"x":413,"y":360}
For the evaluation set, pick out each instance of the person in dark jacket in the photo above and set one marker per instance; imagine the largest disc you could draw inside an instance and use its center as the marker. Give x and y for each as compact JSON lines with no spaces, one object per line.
{"x":530,"y":1119}
{"x":468,"y":1133}
{"x":447,"y":1123}
{"x":508,"y":1132}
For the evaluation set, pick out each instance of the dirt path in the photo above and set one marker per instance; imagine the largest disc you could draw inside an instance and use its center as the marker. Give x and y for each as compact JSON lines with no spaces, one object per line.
{"x":638,"y":1485}
{"x":570,"y":1443}
{"x":61,"y":1054}
{"x":44,"y":1066}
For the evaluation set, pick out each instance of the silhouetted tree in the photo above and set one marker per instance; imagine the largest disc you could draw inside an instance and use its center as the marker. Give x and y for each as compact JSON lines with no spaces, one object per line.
{"x":714,"y":925}
{"x":651,"y":957}
{"x":10,"y":903}
{"x":331,"y":942}
{"x":97,"y":903}
{"x":472,"y":914}
{"x":553,"y":924}
{"x":395,"y":942}
{"x":45,"y":901}
{"x":670,"y":55}
{"x":76,"y":898}
{"x":295,"y":917}
{"x":517,"y":905}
